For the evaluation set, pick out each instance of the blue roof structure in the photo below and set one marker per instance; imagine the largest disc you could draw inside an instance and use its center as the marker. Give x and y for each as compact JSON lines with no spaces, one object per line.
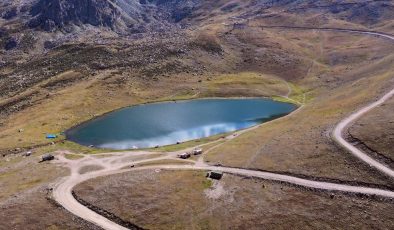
{"x":51,"y":136}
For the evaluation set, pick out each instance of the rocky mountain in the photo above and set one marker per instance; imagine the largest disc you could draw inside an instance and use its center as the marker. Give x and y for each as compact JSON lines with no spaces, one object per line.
{"x":365,"y":12}
{"x":131,"y":16}
{"x":31,"y":27}
{"x":53,"y":14}
{"x":124,"y":16}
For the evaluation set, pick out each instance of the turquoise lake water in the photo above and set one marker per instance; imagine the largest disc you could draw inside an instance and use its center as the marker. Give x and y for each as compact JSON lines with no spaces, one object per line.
{"x":149,"y":125}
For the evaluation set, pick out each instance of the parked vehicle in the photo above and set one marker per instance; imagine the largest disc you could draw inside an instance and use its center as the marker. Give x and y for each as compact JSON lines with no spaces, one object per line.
{"x":215,"y":175}
{"x":184,"y":155}
{"x":197,"y":151}
{"x":47,"y":157}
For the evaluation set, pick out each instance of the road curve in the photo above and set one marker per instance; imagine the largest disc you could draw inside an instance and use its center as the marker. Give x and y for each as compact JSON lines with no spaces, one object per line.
{"x":337,"y":134}
{"x":339,"y":129}
{"x":62,"y":192}
{"x":375,"y":33}
{"x":63,"y":195}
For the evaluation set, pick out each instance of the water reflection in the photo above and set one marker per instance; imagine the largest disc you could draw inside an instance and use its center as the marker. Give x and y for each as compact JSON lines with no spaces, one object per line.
{"x":180,"y":136}
{"x":168,"y":123}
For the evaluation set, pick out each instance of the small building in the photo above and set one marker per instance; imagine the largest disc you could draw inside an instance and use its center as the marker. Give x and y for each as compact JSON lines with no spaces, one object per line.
{"x":47,"y":157}
{"x":215,"y":175}
{"x":184,"y":155}
{"x":51,"y":136}
{"x":197,"y":151}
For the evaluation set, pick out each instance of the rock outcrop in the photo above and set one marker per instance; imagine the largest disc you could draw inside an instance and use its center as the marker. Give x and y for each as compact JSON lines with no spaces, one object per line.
{"x":54,"y":14}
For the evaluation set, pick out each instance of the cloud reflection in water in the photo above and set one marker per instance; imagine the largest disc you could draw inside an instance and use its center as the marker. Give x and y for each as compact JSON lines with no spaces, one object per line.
{"x":181,"y":136}
{"x":162,"y":124}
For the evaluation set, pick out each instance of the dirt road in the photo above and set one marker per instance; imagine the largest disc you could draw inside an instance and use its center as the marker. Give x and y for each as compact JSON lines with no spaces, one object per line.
{"x":339,"y":129}
{"x":118,"y":162}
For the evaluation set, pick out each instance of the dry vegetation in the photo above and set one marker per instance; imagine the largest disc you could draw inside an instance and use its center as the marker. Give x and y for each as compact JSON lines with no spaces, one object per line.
{"x":309,"y":149}
{"x":89,"y":99}
{"x":239,"y":203}
{"x":19,"y":174}
{"x":225,"y":52}
{"x":374,"y":133}
{"x":35,"y":210}
{"x":25,"y":196}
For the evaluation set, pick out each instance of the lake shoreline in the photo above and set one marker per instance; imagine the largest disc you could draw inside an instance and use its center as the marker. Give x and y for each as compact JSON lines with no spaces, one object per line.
{"x":272,"y":110}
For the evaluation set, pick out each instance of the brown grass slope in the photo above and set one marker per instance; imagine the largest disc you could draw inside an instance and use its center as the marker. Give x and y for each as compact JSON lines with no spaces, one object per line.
{"x":309,"y":149}
{"x":50,"y":82}
{"x":237,"y":203}
{"x":374,"y":132}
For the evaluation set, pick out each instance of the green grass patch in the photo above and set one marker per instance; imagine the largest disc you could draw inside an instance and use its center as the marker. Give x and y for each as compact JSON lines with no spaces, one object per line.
{"x":73,"y":156}
{"x":189,"y":144}
{"x":209,"y":146}
{"x":74,"y":147}
{"x":264,"y":84}
{"x":285,"y":100}
{"x":163,"y":162}
{"x":298,"y":94}
{"x":30,"y":184}
{"x":185,"y":95}
{"x":207,"y":183}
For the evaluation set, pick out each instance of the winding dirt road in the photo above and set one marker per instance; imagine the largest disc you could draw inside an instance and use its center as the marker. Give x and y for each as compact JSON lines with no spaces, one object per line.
{"x":113,"y":163}
{"x":339,"y":129}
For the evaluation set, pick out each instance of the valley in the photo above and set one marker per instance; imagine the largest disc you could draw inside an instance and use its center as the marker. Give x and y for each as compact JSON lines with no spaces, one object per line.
{"x":329,"y":58}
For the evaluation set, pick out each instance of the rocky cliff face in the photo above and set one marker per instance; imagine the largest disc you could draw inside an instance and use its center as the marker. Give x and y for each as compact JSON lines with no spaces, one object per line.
{"x":118,"y":15}
{"x":53,"y":14}
{"x":22,"y":21}
{"x":155,"y":15}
